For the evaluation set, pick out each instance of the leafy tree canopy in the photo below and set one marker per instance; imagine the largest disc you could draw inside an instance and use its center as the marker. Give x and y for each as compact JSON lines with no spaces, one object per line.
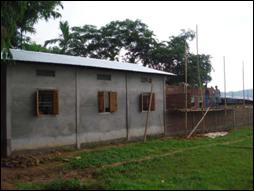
{"x":132,"y":41}
{"x":18,"y":17}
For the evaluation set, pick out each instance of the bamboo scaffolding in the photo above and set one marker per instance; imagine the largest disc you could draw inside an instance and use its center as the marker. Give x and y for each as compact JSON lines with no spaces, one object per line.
{"x":194,"y":129}
{"x":243,"y":88}
{"x":148,"y":112}
{"x":185,"y":87}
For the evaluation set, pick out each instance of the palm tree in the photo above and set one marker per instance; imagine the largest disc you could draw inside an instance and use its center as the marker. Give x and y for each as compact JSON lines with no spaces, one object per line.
{"x":64,"y":38}
{"x":19,"y":39}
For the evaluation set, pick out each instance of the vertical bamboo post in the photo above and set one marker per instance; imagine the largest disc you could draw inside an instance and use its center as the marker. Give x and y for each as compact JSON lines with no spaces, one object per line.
{"x":234,"y":118}
{"x":149,"y":108}
{"x":248,"y":115}
{"x":186,"y":88}
{"x":243,"y":88}
{"x":225,"y":101}
{"x":127,"y":106}
{"x":77,"y":117}
{"x":199,"y":80}
{"x":164,"y":104}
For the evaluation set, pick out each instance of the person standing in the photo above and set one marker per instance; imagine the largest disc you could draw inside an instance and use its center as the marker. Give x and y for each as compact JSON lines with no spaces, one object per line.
{"x":207,"y":95}
{"x":217,"y":96}
{"x":212,"y":97}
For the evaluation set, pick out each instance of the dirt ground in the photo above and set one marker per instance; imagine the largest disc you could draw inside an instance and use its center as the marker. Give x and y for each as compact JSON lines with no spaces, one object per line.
{"x":44,"y":165}
{"x":39,"y":167}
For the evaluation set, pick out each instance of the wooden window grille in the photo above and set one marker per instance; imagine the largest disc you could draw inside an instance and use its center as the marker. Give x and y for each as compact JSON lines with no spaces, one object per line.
{"x":145,"y":100}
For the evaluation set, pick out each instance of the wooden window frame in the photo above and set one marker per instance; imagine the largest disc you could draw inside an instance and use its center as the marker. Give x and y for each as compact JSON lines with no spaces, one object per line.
{"x":112,"y":96}
{"x":55,"y":102}
{"x":142,"y":102}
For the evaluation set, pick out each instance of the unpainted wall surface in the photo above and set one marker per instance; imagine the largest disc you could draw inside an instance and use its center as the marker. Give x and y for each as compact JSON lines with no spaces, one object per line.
{"x":28,"y":130}
{"x":137,"y":119}
{"x":95,"y":126}
{"x":78,"y":119}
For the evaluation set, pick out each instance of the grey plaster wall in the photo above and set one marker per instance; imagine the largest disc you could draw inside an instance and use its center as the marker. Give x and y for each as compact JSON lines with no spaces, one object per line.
{"x":137,"y":119}
{"x":29,"y":131}
{"x":95,"y":126}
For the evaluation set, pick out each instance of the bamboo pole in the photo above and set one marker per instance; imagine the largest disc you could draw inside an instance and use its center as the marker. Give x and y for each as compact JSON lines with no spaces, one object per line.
{"x":77,"y":117}
{"x":234,"y":118}
{"x":194,"y":129}
{"x":149,"y":108}
{"x":198,"y":67}
{"x":250,"y":115}
{"x":225,"y":101}
{"x":199,"y":80}
{"x":186,"y":88}
{"x":243,"y":88}
{"x":127,"y":106}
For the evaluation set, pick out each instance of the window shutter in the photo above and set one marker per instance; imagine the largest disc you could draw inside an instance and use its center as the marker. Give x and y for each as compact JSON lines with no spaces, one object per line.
{"x":55,"y":102}
{"x":141,"y":102}
{"x":153,"y":102}
{"x":113,"y":101}
{"x":101,"y":101}
{"x":37,"y":111}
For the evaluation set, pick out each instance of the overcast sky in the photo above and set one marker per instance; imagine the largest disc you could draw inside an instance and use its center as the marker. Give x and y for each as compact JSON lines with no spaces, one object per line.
{"x":224,"y":29}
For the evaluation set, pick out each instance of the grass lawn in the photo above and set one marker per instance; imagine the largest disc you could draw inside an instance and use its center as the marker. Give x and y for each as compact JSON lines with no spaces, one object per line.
{"x":163,"y":163}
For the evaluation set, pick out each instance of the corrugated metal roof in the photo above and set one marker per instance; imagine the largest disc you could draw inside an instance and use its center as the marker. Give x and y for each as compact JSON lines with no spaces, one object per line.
{"x":31,"y":56}
{"x":239,"y":97}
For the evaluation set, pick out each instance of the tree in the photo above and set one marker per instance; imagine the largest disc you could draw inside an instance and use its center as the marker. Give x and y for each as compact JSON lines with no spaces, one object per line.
{"x":131,"y":37}
{"x":205,"y":69}
{"x":134,"y":42}
{"x":35,"y":47}
{"x":86,"y":41}
{"x":18,"y":17}
{"x":170,"y":56}
{"x":19,"y":39}
{"x":64,"y":38}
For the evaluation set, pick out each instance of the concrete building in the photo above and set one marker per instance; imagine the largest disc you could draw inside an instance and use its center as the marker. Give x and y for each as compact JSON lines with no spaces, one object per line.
{"x":50,"y":100}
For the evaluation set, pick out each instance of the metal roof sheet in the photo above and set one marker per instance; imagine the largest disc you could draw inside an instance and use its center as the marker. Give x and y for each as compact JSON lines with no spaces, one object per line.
{"x":31,"y":56}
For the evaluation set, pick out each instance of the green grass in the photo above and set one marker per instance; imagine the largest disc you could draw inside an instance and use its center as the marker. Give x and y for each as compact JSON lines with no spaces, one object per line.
{"x":69,"y":184}
{"x":28,"y":186}
{"x":58,"y":184}
{"x":218,"y":167}
{"x":220,"y":163}
{"x":151,"y":147}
